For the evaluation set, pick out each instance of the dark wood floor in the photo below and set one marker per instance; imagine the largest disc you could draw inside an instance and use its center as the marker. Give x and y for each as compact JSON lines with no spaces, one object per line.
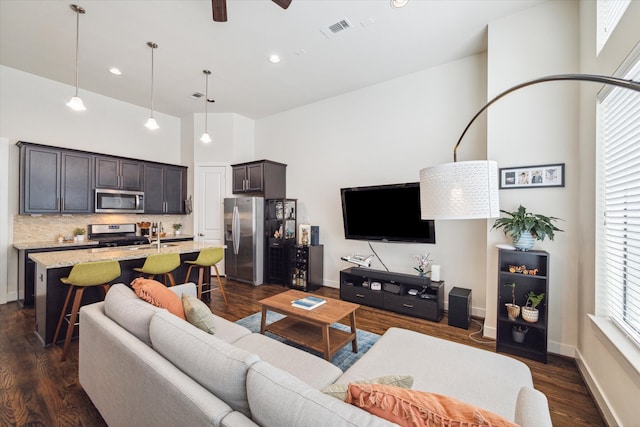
{"x":36,"y":389}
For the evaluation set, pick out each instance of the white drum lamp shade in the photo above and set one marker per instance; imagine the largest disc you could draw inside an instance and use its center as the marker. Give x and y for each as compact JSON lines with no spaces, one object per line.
{"x":460,"y":190}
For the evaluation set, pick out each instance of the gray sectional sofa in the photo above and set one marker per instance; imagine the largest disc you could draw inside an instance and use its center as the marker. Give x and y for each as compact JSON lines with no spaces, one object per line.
{"x":142,"y":366}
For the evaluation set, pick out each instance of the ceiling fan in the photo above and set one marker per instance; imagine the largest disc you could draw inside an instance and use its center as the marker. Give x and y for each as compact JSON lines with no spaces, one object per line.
{"x":219,"y":8}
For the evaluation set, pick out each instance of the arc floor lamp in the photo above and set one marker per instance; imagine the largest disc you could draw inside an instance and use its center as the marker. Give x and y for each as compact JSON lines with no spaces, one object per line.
{"x":468,"y":190}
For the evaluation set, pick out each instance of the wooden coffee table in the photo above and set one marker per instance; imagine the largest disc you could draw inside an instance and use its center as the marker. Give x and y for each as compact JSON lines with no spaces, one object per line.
{"x":311,"y":328}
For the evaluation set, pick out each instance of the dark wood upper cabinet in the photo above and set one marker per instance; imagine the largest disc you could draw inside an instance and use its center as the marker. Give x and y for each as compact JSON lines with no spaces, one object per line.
{"x":118,"y":174}
{"x":76,"y":183}
{"x":165,"y":188}
{"x":55,"y":181}
{"x":59,"y":180}
{"x":261,"y":178}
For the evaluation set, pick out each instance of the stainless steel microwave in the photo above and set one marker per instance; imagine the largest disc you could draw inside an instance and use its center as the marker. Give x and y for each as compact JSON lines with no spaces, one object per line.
{"x":119,"y":201}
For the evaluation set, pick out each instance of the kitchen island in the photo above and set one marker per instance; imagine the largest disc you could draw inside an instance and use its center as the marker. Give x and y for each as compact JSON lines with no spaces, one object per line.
{"x":50,"y":292}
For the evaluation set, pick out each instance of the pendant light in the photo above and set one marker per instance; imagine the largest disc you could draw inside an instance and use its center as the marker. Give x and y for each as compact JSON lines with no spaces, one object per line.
{"x":205,"y":136}
{"x":76,"y":103}
{"x":151,"y":123}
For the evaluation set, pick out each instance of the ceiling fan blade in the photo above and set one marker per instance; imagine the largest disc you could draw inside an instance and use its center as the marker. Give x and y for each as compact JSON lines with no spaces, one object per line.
{"x":282,"y":3}
{"x":219,"y":8}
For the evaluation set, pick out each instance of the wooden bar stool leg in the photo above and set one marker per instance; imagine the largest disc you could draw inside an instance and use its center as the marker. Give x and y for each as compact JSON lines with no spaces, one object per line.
{"x":62,"y":315}
{"x":172,"y":281}
{"x":200,"y":281}
{"x":220,"y":283}
{"x":186,"y":279}
{"x":72,"y":322}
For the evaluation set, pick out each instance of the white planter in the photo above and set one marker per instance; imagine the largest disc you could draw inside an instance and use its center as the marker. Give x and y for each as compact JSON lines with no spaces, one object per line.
{"x":530,"y":314}
{"x":177,"y":232}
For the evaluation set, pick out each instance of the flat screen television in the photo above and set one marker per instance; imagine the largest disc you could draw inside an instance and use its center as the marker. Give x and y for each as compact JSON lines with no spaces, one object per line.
{"x":388,"y":213}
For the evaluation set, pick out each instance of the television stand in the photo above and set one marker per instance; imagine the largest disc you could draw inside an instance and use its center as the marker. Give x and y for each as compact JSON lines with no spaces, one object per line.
{"x":402,"y":293}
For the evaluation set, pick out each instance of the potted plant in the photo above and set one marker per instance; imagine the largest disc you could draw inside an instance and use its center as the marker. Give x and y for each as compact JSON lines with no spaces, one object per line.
{"x":524,"y":227}
{"x":424,"y":264}
{"x":529,"y":310}
{"x":177,"y":228}
{"x":518,"y":333}
{"x":513,"y":310}
{"x":79,"y":234}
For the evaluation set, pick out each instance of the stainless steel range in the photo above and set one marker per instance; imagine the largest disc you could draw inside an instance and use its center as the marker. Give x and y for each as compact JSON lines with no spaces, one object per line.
{"x":111,"y":235}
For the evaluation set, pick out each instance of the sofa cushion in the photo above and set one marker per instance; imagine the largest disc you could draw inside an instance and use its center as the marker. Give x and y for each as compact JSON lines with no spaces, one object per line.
{"x":277,"y":398}
{"x":198,"y":313}
{"x":130,"y":312}
{"x":311,"y":369}
{"x":339,"y":390}
{"x":431,"y":361}
{"x":218,"y":366}
{"x":419,"y":408}
{"x":529,"y":408}
{"x":159,"y":295}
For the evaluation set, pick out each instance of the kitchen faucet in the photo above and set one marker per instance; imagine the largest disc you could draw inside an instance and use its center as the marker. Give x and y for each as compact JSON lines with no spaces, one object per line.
{"x":157,"y":235}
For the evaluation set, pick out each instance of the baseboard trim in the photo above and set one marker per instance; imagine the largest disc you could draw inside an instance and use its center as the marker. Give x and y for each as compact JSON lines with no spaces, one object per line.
{"x":595,"y":390}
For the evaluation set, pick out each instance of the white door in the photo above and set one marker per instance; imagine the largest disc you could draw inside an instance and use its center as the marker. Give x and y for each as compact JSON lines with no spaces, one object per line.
{"x":210,"y":191}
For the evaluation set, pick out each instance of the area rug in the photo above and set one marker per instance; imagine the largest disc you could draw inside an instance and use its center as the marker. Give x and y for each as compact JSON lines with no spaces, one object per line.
{"x":343,"y":359}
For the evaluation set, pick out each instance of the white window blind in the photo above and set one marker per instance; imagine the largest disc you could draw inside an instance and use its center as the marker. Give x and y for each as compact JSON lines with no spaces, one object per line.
{"x":620,"y":126}
{"x":608,"y":13}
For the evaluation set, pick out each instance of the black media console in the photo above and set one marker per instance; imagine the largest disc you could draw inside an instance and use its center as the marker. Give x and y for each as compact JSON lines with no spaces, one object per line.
{"x":403,"y":293}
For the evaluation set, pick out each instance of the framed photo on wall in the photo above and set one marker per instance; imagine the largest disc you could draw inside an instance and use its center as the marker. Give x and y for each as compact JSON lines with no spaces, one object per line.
{"x":532,"y":176}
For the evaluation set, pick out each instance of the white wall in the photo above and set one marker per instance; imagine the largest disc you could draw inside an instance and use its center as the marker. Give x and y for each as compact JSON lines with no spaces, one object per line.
{"x":384,"y":134}
{"x":5,"y":226}
{"x":33,"y":109}
{"x":608,"y":372}
{"x":535,"y":126}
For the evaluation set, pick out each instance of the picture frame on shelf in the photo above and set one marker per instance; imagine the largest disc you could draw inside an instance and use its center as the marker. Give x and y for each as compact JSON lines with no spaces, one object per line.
{"x":551,"y":175}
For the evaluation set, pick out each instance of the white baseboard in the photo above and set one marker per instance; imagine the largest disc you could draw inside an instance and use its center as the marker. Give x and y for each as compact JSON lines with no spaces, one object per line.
{"x":490,"y":332}
{"x":596,"y":392}
{"x":12,"y":296}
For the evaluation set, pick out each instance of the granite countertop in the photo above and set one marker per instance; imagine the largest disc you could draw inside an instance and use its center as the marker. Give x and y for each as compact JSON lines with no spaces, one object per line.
{"x":71,"y":243}
{"x":60,"y":259}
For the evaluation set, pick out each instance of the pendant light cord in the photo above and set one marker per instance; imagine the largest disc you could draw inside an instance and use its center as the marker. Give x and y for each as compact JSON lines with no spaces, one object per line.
{"x":77,"y":45}
{"x":206,"y":101}
{"x":153,"y":46}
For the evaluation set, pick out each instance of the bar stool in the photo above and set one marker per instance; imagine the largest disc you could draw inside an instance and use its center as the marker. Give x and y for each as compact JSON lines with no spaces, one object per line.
{"x":82,"y":276}
{"x":160,"y":264}
{"x":207,"y":258}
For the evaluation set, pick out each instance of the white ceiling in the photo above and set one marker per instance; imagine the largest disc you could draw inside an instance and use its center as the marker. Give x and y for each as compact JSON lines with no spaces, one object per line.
{"x":38,"y":37}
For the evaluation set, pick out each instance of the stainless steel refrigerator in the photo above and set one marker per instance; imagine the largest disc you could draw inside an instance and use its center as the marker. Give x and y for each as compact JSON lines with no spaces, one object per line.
{"x":244,"y":239}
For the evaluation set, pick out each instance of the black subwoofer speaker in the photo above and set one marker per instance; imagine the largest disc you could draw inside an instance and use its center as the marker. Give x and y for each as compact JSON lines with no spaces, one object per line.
{"x":460,"y":308}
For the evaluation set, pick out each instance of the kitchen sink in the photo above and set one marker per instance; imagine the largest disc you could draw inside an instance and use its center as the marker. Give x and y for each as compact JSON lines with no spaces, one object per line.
{"x":101,"y":249}
{"x":152,"y":245}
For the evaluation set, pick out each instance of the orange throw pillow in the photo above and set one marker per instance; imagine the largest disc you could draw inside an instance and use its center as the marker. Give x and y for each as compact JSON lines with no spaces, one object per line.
{"x":157,"y":294}
{"x":420,"y":408}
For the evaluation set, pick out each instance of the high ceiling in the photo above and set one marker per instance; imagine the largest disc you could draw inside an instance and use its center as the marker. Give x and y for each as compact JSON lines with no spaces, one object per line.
{"x":38,"y":37}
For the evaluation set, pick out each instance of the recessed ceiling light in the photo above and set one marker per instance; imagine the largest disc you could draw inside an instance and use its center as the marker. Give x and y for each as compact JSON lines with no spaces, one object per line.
{"x":399,"y":3}
{"x":115,"y":71}
{"x":274,"y":59}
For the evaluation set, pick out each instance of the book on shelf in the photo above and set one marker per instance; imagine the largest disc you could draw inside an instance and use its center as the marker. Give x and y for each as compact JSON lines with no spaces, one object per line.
{"x":308,"y":302}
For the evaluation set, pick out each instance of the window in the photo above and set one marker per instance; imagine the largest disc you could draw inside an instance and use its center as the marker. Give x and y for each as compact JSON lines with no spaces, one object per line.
{"x":608,"y":14}
{"x":619,"y":236}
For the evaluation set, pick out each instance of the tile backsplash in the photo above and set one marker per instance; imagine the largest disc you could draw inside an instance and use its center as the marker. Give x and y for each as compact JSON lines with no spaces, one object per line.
{"x":47,"y":228}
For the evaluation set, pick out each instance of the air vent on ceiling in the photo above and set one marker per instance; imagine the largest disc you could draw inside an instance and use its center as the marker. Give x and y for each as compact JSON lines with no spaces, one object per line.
{"x":336,"y":28}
